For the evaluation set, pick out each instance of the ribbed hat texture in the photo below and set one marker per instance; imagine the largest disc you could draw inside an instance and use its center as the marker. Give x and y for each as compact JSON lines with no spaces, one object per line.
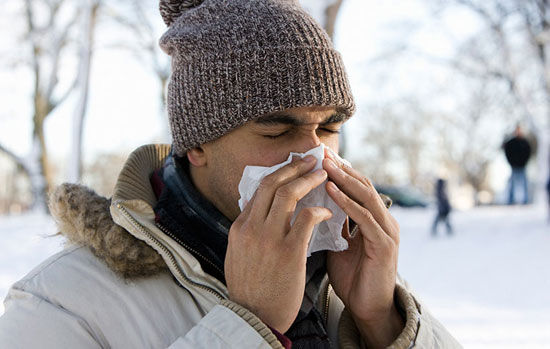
{"x":236,"y":60}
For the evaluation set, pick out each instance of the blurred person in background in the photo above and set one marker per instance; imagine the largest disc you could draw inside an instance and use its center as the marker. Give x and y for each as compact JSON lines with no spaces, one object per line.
{"x":518,"y":151}
{"x":171,"y":260}
{"x":443,"y":207}
{"x":548,"y":189}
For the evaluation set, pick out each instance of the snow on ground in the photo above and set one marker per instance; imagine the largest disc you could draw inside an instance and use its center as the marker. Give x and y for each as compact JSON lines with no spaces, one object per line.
{"x":488,"y":283}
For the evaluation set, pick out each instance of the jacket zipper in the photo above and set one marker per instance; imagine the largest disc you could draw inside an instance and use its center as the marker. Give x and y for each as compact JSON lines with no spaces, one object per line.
{"x":327,"y":302}
{"x":170,"y":255}
{"x":167,"y":232}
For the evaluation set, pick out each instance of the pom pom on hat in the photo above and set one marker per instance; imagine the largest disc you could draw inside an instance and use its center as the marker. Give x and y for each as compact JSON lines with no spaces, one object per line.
{"x":170,"y":10}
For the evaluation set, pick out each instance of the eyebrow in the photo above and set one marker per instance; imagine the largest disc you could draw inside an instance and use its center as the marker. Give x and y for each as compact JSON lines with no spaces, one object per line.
{"x":269,"y":120}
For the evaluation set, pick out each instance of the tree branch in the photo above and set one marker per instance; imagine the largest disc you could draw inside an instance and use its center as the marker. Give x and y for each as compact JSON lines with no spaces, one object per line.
{"x":20,"y":162}
{"x":35,"y":48}
{"x":57,"y":47}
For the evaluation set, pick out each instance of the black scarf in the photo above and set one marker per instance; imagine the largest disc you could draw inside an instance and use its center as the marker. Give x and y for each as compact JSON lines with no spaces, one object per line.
{"x":193,"y":221}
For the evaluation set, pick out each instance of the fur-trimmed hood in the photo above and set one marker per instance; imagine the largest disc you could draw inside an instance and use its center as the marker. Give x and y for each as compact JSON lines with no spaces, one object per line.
{"x":83,"y":217}
{"x":86,"y":218}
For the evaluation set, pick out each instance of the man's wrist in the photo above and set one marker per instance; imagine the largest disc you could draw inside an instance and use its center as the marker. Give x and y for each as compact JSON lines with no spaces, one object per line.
{"x":383,"y":331}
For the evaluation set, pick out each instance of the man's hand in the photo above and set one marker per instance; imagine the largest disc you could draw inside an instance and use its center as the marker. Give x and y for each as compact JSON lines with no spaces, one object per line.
{"x":364,"y":276}
{"x":265,"y":265}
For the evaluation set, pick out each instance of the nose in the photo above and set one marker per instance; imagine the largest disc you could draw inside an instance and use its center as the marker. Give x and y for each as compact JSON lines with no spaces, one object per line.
{"x":307,"y":141}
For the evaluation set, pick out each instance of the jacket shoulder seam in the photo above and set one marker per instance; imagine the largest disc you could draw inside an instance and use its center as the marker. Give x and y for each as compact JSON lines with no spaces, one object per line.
{"x":42,"y":268}
{"x":40,"y":298}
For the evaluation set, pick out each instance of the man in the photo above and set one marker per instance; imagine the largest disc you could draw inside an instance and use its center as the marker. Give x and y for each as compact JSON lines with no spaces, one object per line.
{"x":518,"y":152}
{"x":175,"y":263}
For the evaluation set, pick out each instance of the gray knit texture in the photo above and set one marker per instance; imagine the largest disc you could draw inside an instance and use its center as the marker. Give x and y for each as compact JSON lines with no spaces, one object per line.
{"x":236,"y":60}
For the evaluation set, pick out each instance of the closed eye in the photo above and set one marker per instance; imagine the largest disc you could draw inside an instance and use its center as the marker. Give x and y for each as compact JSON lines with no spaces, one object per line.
{"x":288,"y":131}
{"x":276,"y":136}
{"x":324,"y":129}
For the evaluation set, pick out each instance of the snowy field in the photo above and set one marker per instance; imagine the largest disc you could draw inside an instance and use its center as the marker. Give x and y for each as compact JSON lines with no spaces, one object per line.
{"x":489,"y":283}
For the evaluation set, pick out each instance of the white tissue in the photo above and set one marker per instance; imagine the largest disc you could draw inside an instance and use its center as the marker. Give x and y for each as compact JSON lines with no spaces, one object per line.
{"x":326,"y":235}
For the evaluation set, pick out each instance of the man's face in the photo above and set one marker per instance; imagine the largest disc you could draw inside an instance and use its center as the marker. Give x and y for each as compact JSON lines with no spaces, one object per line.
{"x":266,"y":141}
{"x":518,"y":132}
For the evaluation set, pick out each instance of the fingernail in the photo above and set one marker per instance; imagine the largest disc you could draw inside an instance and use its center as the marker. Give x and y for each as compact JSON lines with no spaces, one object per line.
{"x":321,"y":173}
{"x":331,"y":163}
{"x":309,"y":158}
{"x":332,"y":186}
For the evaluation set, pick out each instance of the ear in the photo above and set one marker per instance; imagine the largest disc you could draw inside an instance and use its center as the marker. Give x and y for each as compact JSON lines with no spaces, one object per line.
{"x":196,"y":157}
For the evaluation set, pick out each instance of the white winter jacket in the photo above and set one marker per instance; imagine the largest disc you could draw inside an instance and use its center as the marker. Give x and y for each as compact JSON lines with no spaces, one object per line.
{"x":125,"y":284}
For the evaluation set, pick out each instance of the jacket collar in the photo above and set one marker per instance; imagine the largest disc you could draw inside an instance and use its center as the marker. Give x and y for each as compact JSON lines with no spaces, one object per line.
{"x":133,"y":181}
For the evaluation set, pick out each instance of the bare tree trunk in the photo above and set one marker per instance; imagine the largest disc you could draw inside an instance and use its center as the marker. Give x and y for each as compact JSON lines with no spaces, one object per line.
{"x":37,"y":172}
{"x":331,"y":12}
{"x":89,"y":19}
{"x":45,"y":69}
{"x":38,"y":159}
{"x":163,"y":81}
{"x":324,"y":11}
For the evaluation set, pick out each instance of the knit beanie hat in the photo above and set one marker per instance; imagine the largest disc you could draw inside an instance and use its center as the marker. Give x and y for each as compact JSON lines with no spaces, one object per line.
{"x":236,"y":60}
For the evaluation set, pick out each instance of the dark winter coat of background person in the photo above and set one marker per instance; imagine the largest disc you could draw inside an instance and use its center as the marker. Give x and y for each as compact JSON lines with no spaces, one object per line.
{"x":548,"y":190}
{"x":517,"y":151}
{"x":443,"y":207}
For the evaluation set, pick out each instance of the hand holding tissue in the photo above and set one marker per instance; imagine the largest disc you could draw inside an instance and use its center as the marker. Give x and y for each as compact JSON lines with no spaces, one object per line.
{"x":327,"y":235}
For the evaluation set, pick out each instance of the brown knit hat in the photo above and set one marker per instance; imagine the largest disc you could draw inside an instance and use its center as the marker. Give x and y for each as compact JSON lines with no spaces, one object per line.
{"x":236,"y":60}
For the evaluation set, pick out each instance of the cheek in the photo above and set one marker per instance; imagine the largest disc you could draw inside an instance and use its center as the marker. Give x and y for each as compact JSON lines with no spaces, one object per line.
{"x":268,"y":153}
{"x":266,"y":156}
{"x":334,"y":145}
{"x":332,"y":142}
{"x":272,"y":155}
{"x":258,"y":151}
